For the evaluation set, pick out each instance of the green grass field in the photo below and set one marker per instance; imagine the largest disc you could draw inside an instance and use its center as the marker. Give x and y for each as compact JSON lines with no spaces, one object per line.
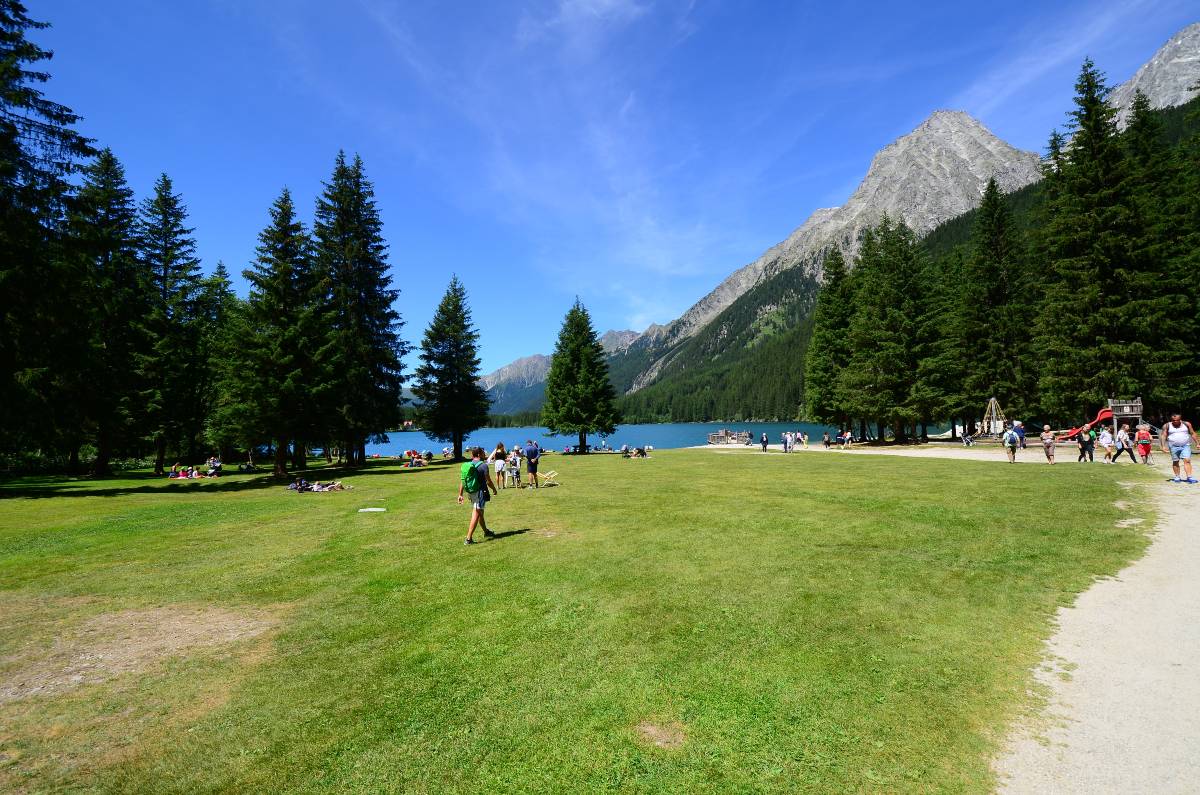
{"x":693,"y":622}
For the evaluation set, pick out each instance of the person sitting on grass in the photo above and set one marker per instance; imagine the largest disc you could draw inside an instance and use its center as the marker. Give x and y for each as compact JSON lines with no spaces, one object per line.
{"x":475,"y":478}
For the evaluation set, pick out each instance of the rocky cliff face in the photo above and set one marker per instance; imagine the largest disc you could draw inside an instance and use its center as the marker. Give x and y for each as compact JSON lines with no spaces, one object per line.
{"x":523,"y":372}
{"x":1167,"y":79}
{"x":934,"y":173}
{"x":617,"y":341}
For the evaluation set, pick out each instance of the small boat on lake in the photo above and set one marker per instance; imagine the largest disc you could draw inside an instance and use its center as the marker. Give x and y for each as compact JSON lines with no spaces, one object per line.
{"x":726,"y":436}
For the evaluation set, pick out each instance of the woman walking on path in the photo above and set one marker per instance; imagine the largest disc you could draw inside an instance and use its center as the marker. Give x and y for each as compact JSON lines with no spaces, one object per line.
{"x":1144,"y":442}
{"x":1048,"y":442}
{"x":1087,"y":446}
{"x":1124,"y":444}
{"x":1106,"y":442}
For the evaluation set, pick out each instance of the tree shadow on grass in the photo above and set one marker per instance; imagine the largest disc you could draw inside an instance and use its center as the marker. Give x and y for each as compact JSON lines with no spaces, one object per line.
{"x":42,"y":487}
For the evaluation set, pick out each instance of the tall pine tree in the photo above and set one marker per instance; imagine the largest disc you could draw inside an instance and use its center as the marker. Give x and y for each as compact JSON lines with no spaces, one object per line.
{"x":452,"y":401}
{"x":828,"y":349}
{"x":580,"y":399}
{"x":994,"y":310}
{"x":40,"y":333}
{"x":881,"y":373}
{"x":169,"y":368}
{"x":362,"y":356}
{"x":103,"y":233}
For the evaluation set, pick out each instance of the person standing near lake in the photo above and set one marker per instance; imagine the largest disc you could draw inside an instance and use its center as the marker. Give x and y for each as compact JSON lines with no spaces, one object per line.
{"x":498,"y":459}
{"x":764,"y":441}
{"x":533,"y":454}
{"x":1177,"y":437}
{"x":475,"y":478}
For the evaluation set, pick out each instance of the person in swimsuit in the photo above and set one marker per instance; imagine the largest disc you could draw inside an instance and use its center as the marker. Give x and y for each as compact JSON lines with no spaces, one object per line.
{"x":1048,"y":442}
{"x":1177,"y":437}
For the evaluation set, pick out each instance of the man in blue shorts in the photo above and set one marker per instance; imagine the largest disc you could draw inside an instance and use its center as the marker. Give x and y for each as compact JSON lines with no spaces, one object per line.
{"x":532,"y":454}
{"x":1176,"y":438}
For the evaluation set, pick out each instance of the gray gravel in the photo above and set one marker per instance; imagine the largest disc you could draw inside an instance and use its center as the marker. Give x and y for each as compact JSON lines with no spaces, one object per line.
{"x":1125,"y":718}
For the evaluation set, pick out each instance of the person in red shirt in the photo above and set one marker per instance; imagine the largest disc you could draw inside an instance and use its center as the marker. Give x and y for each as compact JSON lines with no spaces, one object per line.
{"x":1144,"y":441}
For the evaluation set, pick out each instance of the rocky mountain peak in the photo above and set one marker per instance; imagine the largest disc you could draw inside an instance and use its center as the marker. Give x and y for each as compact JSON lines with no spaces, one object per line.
{"x":524,"y":372}
{"x":932,"y":174}
{"x":1167,"y":79}
{"x":616,"y":341}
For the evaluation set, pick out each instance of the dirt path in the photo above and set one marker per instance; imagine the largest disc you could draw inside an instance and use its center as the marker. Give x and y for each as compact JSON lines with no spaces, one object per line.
{"x":1122,"y":671}
{"x":1126,"y":717}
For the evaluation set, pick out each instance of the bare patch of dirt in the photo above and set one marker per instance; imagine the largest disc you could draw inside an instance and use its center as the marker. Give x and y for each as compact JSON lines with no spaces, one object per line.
{"x":661,"y":735}
{"x":111,"y":644}
{"x":1121,"y":505}
{"x":1130,"y":522}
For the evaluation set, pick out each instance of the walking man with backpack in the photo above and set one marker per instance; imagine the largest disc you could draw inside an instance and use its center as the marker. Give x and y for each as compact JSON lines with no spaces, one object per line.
{"x":475,"y":479}
{"x":1011,"y":441}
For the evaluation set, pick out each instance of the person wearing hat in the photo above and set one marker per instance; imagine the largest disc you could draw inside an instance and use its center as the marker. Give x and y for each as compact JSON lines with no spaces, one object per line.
{"x":1048,"y":442}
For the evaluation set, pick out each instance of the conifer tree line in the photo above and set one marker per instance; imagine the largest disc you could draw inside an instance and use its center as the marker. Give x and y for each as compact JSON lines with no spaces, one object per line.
{"x":1097,"y":299}
{"x":112,"y":341}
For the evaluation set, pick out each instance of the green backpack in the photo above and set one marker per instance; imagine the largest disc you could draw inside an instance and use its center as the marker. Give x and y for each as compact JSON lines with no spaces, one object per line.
{"x":470,"y":476}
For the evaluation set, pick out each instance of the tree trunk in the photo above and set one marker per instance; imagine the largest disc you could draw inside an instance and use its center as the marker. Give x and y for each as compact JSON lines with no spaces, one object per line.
{"x":103,"y":453}
{"x":73,"y":461}
{"x":299,"y":455}
{"x":362,"y":453}
{"x":582,"y":442}
{"x":160,"y":454}
{"x":280,"y":468}
{"x":458,"y":446}
{"x":328,"y":454}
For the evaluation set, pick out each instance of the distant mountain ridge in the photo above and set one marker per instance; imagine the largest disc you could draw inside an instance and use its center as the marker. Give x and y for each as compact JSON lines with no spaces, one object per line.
{"x":1168,"y":79}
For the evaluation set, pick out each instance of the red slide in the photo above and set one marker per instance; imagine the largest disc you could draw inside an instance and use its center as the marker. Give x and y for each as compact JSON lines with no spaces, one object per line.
{"x":1101,"y":416}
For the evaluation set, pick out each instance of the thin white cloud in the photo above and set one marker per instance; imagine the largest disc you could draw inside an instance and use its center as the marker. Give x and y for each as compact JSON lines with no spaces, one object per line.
{"x":1038,"y":54}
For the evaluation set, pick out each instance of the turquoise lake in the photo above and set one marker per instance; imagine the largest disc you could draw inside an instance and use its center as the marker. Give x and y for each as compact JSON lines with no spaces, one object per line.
{"x":661,"y":436}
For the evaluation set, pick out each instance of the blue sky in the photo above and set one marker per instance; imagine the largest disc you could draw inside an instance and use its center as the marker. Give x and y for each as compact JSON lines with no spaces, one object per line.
{"x":630,"y":152}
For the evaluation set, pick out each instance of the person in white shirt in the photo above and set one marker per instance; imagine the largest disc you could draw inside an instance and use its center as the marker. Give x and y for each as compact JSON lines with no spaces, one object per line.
{"x":1176,"y":438}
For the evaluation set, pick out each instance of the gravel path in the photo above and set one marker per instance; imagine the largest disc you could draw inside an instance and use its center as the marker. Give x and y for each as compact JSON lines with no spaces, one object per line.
{"x":1126,"y":717}
{"x":1122,"y":671}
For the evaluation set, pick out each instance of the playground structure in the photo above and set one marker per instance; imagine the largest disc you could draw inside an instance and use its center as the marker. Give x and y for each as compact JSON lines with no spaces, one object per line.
{"x":1117,"y":412}
{"x":993,"y":422}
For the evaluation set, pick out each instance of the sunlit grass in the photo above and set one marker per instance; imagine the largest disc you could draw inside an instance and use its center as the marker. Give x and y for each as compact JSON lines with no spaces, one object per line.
{"x":820,"y":622}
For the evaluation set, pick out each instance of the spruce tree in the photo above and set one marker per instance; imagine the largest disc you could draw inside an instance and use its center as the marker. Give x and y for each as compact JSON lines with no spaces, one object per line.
{"x":1160,"y":321}
{"x":1083,"y":329}
{"x":828,"y":350}
{"x":877,"y":383}
{"x":362,"y":352}
{"x":994,"y":310}
{"x":168,"y":368}
{"x":103,"y":233}
{"x":579,"y":396}
{"x":452,"y":401}
{"x":40,"y":354}
{"x":279,"y":371}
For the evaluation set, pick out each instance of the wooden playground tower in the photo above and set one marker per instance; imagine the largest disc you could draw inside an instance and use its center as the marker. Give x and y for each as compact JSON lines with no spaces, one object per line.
{"x":993,"y":420}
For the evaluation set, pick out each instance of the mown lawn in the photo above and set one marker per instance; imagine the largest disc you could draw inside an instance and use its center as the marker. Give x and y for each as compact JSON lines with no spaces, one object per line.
{"x":816,"y":622}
